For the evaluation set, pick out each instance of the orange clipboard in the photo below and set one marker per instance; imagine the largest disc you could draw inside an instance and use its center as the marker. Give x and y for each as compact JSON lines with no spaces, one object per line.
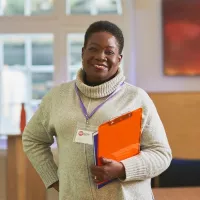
{"x":119,"y":138}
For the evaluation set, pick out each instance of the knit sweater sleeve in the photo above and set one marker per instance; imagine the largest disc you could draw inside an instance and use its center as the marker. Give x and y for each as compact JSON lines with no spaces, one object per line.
{"x":155,"y":155}
{"x":37,"y":139}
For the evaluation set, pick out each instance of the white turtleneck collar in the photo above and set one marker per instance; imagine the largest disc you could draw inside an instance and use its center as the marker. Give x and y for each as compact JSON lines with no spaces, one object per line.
{"x":100,"y":91}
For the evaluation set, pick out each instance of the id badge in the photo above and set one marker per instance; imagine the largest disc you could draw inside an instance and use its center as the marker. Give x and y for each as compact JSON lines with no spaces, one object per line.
{"x":84,"y":133}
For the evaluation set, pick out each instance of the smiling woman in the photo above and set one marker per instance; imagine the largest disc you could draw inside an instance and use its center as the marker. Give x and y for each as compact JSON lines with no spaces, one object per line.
{"x":73,"y":111}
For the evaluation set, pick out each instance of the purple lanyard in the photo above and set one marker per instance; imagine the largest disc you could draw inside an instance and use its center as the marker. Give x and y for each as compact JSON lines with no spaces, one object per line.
{"x":88,"y":116}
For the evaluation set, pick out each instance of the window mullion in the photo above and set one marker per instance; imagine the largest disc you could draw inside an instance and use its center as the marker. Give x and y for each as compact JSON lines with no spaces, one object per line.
{"x":1,"y":68}
{"x":119,"y":7}
{"x":68,"y":50}
{"x":60,"y":8}
{"x":1,"y":56}
{"x":28,"y":50}
{"x":93,"y":7}
{"x":1,"y":7}
{"x":27,"y":7}
{"x":60,"y":52}
{"x":67,"y":7}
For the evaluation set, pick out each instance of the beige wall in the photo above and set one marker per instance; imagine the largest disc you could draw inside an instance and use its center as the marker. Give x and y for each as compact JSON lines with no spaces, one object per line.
{"x":180,"y":115}
{"x":148,"y":39}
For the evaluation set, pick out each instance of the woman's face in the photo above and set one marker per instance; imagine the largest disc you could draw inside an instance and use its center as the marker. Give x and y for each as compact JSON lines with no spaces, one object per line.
{"x":101,"y":57}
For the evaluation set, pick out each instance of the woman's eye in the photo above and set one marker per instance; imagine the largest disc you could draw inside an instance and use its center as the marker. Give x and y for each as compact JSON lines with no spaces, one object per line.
{"x":109,"y":52}
{"x":92,"y":49}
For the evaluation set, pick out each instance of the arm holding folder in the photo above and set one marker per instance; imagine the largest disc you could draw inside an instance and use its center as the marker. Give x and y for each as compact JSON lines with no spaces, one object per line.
{"x":155,"y":155}
{"x":154,"y":149}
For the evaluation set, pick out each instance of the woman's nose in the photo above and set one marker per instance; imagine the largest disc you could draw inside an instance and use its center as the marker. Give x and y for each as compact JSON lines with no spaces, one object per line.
{"x":100,"y":56}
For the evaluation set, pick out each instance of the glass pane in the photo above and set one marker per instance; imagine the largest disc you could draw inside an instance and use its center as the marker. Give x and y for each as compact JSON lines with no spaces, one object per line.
{"x":10,"y":119}
{"x":14,"y":85}
{"x":14,"y":91}
{"x":42,"y":51}
{"x":75,"y":42}
{"x":14,"y":51}
{"x":75,"y":54}
{"x":34,"y":106}
{"x":15,"y":75}
{"x":106,"y":6}
{"x":40,"y":7}
{"x":13,"y":7}
{"x":94,"y":7}
{"x":73,"y":74}
{"x":80,"y":6}
{"x":41,"y":84}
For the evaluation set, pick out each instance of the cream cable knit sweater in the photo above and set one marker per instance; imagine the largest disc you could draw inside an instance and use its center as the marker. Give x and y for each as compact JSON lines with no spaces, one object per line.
{"x":58,"y":115}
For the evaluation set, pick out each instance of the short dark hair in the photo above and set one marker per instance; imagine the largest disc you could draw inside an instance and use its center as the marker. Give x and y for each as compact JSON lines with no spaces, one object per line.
{"x":105,"y":26}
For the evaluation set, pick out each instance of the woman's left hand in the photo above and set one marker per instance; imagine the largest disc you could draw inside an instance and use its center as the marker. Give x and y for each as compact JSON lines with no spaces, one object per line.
{"x":110,"y":169}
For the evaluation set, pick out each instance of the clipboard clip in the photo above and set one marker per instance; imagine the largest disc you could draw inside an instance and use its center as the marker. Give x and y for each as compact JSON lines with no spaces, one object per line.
{"x":120,"y":118}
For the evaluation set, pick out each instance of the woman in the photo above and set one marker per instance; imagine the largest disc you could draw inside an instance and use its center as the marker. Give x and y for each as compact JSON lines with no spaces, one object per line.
{"x":62,"y":114}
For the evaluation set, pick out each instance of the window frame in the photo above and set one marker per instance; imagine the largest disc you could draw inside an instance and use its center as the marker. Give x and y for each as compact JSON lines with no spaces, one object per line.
{"x":60,"y":24}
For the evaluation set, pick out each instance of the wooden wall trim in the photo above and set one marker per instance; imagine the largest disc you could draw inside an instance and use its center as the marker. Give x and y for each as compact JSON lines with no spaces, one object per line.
{"x":180,"y":114}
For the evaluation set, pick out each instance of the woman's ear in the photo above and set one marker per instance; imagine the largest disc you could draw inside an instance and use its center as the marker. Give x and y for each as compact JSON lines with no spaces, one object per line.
{"x":120,"y":58}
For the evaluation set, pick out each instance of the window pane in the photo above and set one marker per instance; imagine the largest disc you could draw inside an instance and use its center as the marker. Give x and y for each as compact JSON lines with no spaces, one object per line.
{"x":34,"y":106}
{"x":13,"y":7}
{"x":42,"y":51}
{"x":14,"y":51}
{"x":94,"y":7}
{"x":41,"y":84}
{"x":14,"y":85}
{"x":20,"y":81}
{"x":40,"y":7}
{"x":73,"y":74}
{"x":10,"y":119}
{"x":80,"y":6}
{"x":14,"y":91}
{"x":75,"y":42}
{"x":106,"y":6}
{"x":75,"y":54}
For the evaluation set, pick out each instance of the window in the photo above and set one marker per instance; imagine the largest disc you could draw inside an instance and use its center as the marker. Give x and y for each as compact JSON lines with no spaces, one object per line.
{"x":26,"y":7}
{"x":75,"y":44}
{"x":40,"y":46}
{"x":27,"y":75}
{"x":94,"y":7}
{"x":41,"y":7}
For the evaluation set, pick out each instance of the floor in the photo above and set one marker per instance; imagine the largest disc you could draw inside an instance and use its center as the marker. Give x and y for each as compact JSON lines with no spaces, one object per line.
{"x":190,"y":193}
{"x":160,"y":194}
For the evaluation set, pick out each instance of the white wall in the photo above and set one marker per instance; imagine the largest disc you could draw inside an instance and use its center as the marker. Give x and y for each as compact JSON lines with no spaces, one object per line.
{"x":149,"y":75}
